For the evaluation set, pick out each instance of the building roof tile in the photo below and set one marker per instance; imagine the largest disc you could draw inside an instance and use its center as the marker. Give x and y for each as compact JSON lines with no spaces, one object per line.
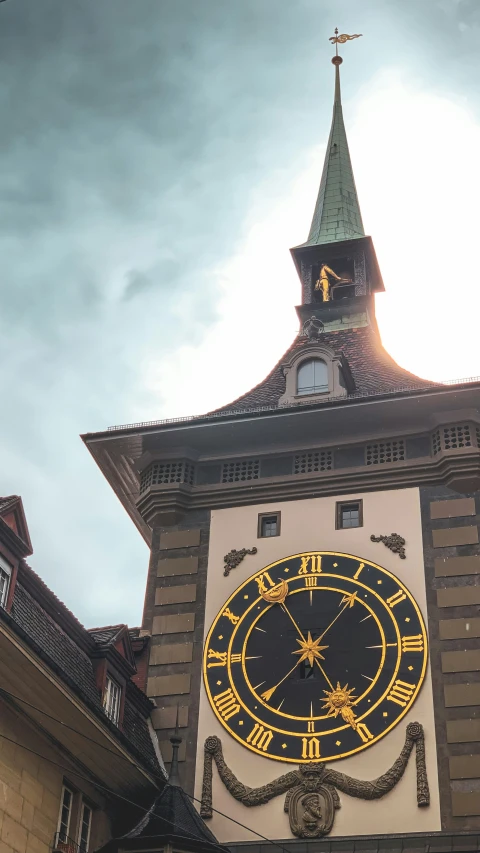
{"x":65,"y":645}
{"x":373,"y":369}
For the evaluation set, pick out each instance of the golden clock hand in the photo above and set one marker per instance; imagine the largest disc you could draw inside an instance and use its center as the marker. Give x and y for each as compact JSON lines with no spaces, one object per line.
{"x":349,"y":600}
{"x":285,"y":608}
{"x":324,"y":674}
{"x":269,"y":693}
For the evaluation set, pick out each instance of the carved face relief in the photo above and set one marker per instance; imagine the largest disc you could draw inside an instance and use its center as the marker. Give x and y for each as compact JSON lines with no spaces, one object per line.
{"x":311,"y":814}
{"x":314,"y":658}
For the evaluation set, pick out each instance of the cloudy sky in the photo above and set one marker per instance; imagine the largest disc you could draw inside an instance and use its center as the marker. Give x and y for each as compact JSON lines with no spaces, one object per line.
{"x":157,"y":160}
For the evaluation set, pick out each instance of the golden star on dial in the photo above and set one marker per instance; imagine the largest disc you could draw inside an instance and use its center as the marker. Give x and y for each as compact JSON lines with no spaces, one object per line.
{"x":310,"y":649}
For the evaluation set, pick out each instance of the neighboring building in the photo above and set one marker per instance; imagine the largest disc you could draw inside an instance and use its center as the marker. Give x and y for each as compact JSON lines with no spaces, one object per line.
{"x":270,"y":525}
{"x":76,"y":742}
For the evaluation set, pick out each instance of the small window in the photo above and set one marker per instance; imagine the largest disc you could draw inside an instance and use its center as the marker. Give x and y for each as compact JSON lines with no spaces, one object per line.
{"x":84,"y":830}
{"x":268,"y":525}
{"x":349,"y":515}
{"x":5,"y":575}
{"x":312,"y":377}
{"x":111,"y":700}
{"x":65,"y":815}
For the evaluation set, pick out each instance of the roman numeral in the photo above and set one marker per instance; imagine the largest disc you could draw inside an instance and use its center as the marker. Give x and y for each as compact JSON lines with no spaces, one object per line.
{"x":412,"y":644}
{"x":226,"y":705}
{"x":310,"y":726}
{"x":396,"y":599}
{"x":311,"y":581}
{"x":260,"y":737}
{"x":231,"y":616}
{"x":311,"y":563}
{"x":261,"y":583}
{"x":235,"y":658}
{"x":364,"y":733}
{"x":357,"y":573}
{"x":401,"y":693}
{"x":220,"y":657}
{"x":310,"y":748}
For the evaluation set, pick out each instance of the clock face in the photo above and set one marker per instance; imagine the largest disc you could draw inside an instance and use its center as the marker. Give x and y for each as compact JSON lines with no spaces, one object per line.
{"x":315,"y":657}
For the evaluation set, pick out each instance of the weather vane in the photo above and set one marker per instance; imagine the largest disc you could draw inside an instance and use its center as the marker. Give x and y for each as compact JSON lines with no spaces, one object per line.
{"x":342,"y":38}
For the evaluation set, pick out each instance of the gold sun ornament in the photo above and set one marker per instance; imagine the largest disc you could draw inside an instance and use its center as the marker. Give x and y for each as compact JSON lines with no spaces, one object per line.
{"x":310,"y":649}
{"x":340,"y":701}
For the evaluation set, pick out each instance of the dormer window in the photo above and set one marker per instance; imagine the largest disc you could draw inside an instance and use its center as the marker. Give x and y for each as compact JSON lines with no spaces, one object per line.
{"x":312,"y":377}
{"x":5,"y":575}
{"x":315,"y":372}
{"x":111,"y":700}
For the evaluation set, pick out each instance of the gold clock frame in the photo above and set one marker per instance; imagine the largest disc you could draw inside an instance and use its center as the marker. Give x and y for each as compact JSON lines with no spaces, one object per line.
{"x":334,"y":577}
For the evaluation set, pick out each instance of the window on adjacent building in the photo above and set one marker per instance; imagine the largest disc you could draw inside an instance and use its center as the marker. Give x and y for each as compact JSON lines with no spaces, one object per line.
{"x":312,"y":377}
{"x":111,"y":699}
{"x":84,"y":829}
{"x":5,"y":575}
{"x":268,"y":525}
{"x":349,"y":515}
{"x":65,"y":814}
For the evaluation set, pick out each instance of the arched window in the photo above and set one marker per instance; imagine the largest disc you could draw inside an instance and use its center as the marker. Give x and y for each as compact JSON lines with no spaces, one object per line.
{"x":312,"y":377}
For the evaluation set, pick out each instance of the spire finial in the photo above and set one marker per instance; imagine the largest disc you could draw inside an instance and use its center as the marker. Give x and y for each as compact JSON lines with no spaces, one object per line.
{"x":337,"y":60}
{"x":175,"y":740}
{"x":336,"y":39}
{"x":337,"y":211}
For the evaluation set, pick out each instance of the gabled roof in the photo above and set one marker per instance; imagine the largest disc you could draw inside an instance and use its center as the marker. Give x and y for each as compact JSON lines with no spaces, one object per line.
{"x":105,"y":636}
{"x":373,"y":369}
{"x":114,"y":637}
{"x":12,"y":515}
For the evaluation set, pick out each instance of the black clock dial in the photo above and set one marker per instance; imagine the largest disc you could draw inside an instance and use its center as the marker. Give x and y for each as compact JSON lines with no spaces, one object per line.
{"x":315,"y":657}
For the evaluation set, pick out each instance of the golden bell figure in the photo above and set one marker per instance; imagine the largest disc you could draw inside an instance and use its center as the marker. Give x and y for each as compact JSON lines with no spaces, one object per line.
{"x":323,"y":282}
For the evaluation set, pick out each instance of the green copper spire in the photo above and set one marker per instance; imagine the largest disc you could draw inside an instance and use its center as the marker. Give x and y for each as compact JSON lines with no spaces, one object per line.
{"x":337,"y":211}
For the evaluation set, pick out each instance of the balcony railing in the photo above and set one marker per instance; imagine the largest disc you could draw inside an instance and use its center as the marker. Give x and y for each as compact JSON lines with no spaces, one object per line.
{"x":65,"y":844}
{"x":276,"y":408}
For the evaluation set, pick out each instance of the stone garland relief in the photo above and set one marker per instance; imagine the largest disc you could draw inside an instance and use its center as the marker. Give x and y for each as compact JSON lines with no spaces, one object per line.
{"x":234,"y":558}
{"x":312,"y":790}
{"x":395,"y":542}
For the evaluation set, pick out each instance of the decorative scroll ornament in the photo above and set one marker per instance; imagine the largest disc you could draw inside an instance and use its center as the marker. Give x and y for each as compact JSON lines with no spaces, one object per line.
{"x":395,"y":542}
{"x":312,"y":790}
{"x":234,"y":558}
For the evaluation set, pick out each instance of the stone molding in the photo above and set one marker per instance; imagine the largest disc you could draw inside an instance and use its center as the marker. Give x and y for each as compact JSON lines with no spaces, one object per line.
{"x":443,"y":469}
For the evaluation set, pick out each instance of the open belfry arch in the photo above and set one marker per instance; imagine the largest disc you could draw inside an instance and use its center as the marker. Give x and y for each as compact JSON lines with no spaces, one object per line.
{"x":313,"y":583}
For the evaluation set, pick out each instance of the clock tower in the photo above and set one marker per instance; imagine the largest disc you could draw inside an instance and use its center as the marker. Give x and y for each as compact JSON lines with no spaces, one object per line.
{"x":314,"y":577}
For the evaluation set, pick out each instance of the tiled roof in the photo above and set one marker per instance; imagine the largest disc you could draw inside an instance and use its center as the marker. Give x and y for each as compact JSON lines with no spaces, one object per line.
{"x":12,"y":515}
{"x":62,"y":651}
{"x":102,"y":636}
{"x":372,"y":368}
{"x":65,"y":645}
{"x":173,"y":814}
{"x":7,"y":502}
